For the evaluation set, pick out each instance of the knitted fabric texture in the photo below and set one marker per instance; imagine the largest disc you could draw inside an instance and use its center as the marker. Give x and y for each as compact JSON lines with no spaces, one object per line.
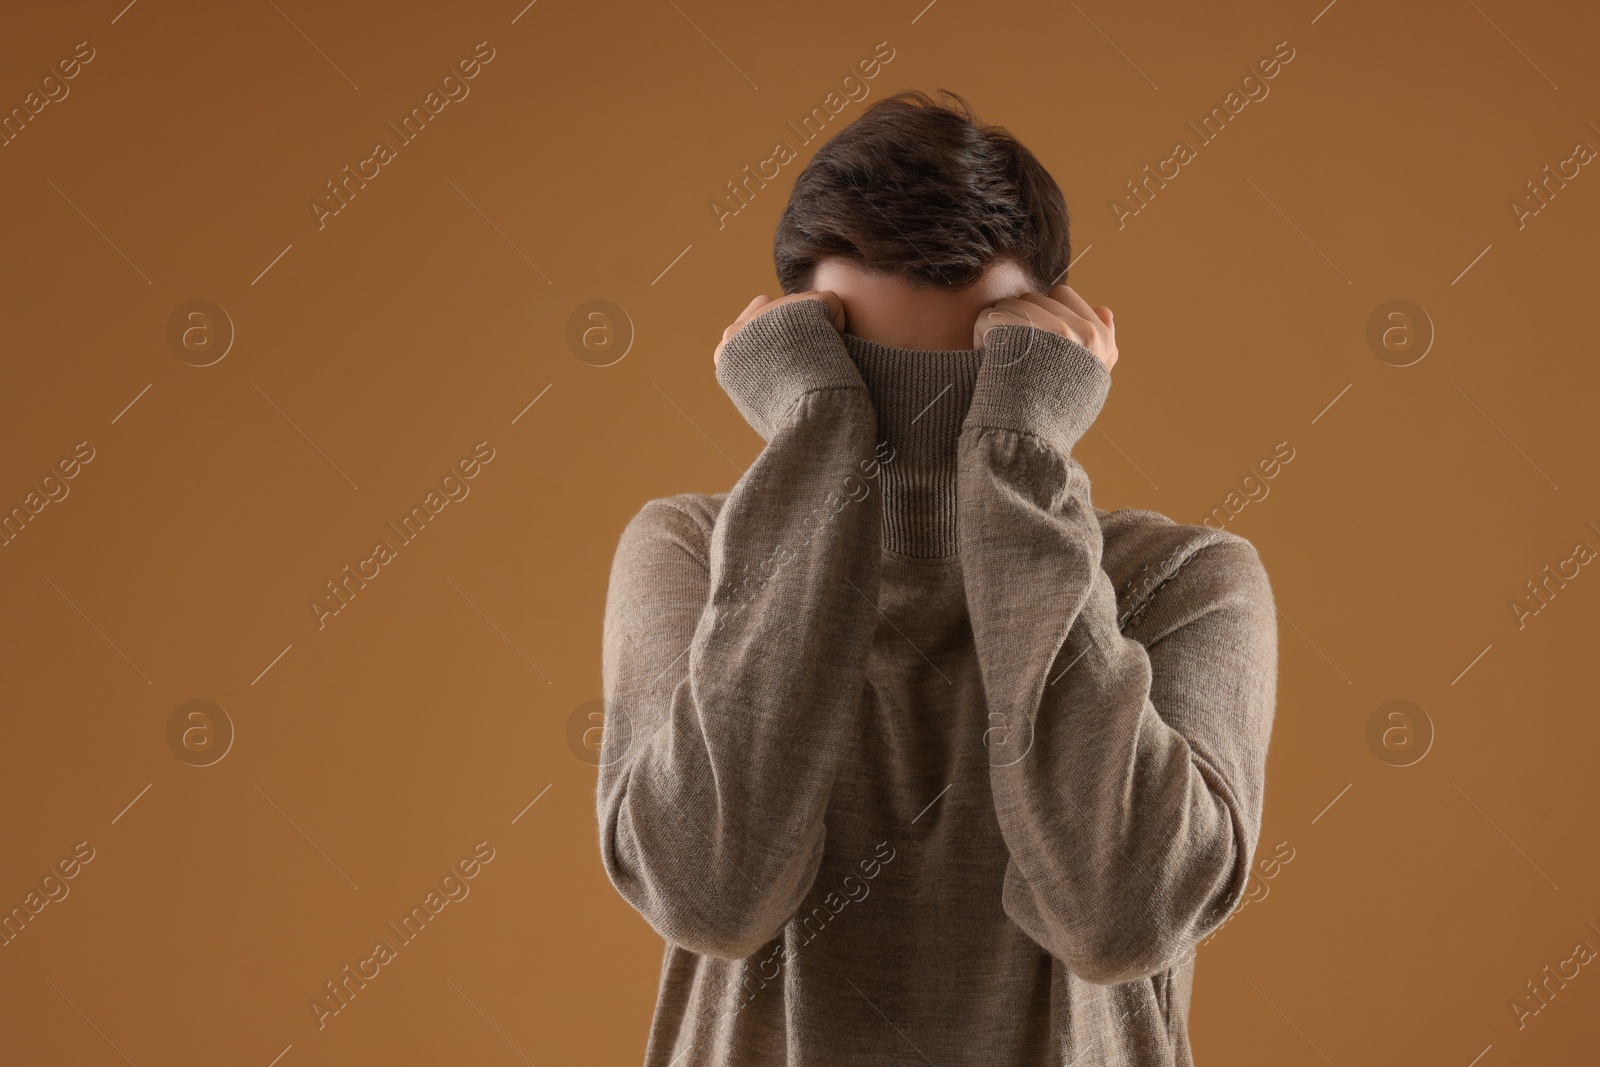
{"x":912,"y":754}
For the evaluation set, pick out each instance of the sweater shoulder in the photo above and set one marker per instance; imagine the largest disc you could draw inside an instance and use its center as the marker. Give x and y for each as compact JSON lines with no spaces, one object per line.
{"x":684,"y":518}
{"x":700,"y":508}
{"x":1144,"y":550}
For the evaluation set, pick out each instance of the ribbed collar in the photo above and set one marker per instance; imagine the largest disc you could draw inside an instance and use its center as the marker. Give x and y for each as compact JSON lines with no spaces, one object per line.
{"x":921,"y":396}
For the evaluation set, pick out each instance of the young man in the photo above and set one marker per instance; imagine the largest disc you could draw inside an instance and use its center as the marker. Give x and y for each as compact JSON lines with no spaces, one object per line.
{"x":913,"y":755}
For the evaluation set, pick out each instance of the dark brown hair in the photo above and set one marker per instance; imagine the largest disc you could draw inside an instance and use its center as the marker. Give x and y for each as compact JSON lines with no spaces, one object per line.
{"x":920,"y":188}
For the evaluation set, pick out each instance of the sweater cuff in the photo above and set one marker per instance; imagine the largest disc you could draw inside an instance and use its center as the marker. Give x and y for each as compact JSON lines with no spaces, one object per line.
{"x":779,"y":356}
{"x":1037,"y":382}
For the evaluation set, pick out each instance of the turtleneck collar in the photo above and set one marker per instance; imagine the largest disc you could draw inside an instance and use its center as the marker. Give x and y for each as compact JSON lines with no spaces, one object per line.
{"x":921,"y":397}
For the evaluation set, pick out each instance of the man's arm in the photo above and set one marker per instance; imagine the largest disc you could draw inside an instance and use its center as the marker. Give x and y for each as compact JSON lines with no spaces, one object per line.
{"x":733,"y":669}
{"x":1127,"y":773}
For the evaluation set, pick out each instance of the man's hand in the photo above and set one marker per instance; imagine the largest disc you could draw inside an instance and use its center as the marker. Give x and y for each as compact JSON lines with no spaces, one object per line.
{"x":763,"y":304}
{"x":1063,"y":312}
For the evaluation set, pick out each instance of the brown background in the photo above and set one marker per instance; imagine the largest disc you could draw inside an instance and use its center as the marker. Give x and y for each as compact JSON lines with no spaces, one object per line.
{"x":372,"y":353}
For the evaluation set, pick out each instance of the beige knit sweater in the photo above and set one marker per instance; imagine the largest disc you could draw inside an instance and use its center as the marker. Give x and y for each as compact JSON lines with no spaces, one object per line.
{"x":912,"y":754}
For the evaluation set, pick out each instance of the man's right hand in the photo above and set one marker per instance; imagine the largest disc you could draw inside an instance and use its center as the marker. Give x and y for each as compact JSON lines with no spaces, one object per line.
{"x":763,"y":304}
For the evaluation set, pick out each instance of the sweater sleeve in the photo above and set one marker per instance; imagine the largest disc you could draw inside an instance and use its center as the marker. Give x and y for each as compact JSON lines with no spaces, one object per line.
{"x":1127,"y":773}
{"x":734,"y":662}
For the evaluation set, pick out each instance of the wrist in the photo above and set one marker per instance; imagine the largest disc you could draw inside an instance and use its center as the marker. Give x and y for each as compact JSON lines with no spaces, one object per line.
{"x":1040,"y":383}
{"x":779,"y":356}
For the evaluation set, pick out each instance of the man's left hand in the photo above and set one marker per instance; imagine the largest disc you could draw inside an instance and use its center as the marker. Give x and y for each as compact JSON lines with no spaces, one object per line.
{"x":1063,"y":312}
